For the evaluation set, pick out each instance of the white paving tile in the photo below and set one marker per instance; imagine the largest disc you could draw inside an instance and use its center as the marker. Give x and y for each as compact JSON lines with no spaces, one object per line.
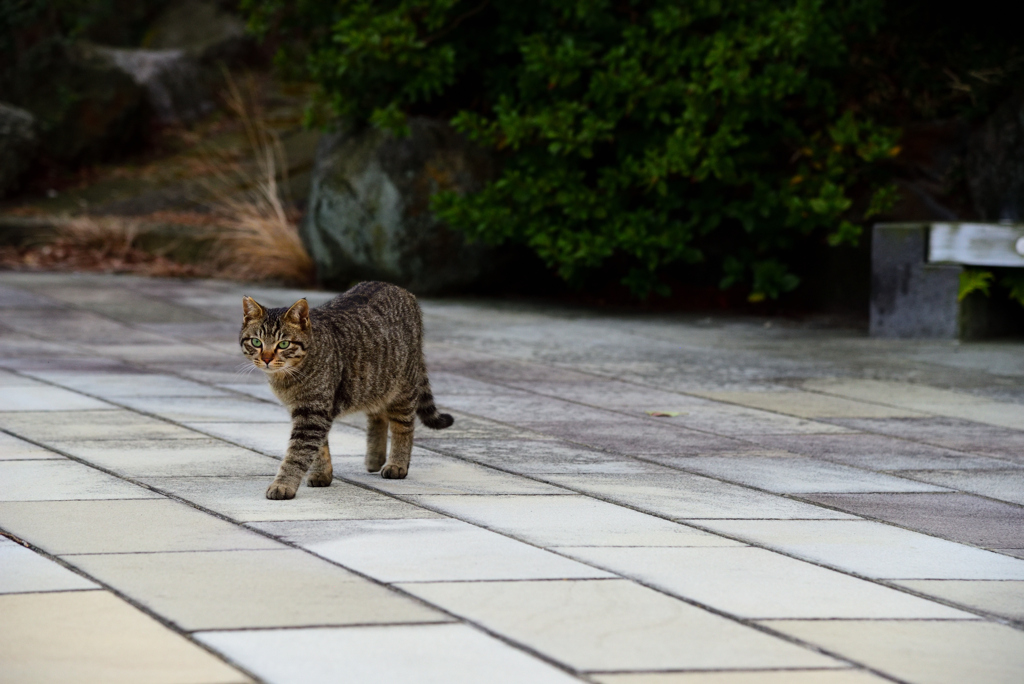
{"x":427,"y":551}
{"x":244,"y":499}
{"x":209,"y":409}
{"x":1004,"y":598}
{"x":14,"y":449}
{"x":797,"y":474}
{"x":207,"y":590}
{"x":55,"y":480}
{"x":936,"y":652}
{"x":744,"y":677}
{"x":431,"y":474}
{"x":755,"y":583}
{"x":614,"y":625}
{"x":47,"y":398}
{"x":272,"y":438}
{"x":425,"y":654}
{"x":24,"y":570}
{"x":114,"y":386}
{"x":681,"y":495}
{"x":170,"y":458}
{"x":570,"y":521}
{"x":873,"y":549}
{"x":123,"y":526}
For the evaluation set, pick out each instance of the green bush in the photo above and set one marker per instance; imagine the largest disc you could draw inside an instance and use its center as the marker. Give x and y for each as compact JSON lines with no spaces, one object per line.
{"x":638,"y":135}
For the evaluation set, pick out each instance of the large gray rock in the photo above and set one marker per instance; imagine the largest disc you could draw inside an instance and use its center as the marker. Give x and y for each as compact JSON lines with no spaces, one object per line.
{"x":369,"y":216}
{"x":995,"y":164}
{"x":175,"y":89}
{"x":17,"y":145}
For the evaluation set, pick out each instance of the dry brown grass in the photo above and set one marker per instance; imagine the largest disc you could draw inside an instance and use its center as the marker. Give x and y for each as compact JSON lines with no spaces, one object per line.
{"x":103,"y":244}
{"x":256,"y":233}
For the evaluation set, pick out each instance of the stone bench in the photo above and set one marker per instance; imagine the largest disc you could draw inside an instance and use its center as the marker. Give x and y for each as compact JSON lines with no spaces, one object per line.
{"x":915,"y":279}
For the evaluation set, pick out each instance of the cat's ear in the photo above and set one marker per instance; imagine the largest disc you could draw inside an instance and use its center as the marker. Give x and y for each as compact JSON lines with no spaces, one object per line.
{"x":251,"y":311}
{"x":298,"y":315}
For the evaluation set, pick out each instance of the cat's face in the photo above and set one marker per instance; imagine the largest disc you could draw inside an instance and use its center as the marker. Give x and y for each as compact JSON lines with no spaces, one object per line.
{"x":275,"y":339}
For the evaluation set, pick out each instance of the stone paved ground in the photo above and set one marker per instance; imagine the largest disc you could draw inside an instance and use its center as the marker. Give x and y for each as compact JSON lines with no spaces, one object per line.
{"x":823,"y":508}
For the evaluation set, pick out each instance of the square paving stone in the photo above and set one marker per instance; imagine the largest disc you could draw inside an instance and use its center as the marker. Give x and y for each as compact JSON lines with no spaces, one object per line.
{"x":432,"y":474}
{"x":272,"y":438}
{"x":595,"y":625}
{"x":202,"y":590}
{"x":472,"y":427}
{"x":24,"y":570}
{"x":425,"y":654}
{"x":93,"y":637}
{"x":515,"y":407}
{"x":811,"y":405}
{"x":157,"y":354}
{"x":755,"y":583}
{"x":50,"y":426}
{"x":47,"y":398}
{"x":927,"y":399}
{"x":244,"y":499}
{"x":63,"y":479}
{"x":878,"y":452}
{"x":427,"y":551}
{"x":951,"y":433}
{"x":959,"y":517}
{"x":740,"y":421}
{"x":872,"y":549}
{"x":1004,"y":598}
{"x":744,"y":677}
{"x":127,"y":526}
{"x":530,"y":456}
{"x":14,"y":449}
{"x":634,"y":437}
{"x":939,"y":652}
{"x":1006,"y":485}
{"x":680,"y":495}
{"x":798,"y":474}
{"x":209,"y":409}
{"x":123,"y":385}
{"x":570,"y":521}
{"x":171,"y":458}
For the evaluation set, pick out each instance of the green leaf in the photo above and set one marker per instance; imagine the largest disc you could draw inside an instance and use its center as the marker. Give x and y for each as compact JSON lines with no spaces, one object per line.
{"x":972,"y":280}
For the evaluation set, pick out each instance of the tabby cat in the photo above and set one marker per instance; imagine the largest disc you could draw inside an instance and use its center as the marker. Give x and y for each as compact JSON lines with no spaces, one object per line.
{"x":361,"y":351}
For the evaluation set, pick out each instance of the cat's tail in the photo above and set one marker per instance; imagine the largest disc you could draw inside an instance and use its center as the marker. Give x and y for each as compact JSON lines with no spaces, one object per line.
{"x":427,"y":411}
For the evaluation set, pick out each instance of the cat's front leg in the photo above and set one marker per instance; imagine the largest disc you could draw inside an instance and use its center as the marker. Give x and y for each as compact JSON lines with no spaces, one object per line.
{"x":309,"y":433}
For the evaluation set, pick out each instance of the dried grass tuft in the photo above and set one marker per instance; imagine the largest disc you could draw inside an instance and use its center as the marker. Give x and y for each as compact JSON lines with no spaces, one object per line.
{"x":256,"y":234}
{"x":104,"y":244}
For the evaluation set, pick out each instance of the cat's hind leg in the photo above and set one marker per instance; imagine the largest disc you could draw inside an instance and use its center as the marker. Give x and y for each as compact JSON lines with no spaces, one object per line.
{"x":401,"y":417}
{"x":321,"y":474}
{"x":376,"y":442}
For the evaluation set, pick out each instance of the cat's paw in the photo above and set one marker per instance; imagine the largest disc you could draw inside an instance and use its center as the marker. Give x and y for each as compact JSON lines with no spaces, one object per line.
{"x":393,"y":472}
{"x":319,"y":479}
{"x":374,"y":464}
{"x":279,"y":490}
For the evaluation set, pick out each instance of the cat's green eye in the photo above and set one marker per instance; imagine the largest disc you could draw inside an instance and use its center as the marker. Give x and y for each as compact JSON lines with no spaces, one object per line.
{"x":256,"y":343}
{"x":283,"y":345}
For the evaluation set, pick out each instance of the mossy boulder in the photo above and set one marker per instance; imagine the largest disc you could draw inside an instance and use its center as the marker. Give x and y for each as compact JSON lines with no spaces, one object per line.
{"x":369,"y":211}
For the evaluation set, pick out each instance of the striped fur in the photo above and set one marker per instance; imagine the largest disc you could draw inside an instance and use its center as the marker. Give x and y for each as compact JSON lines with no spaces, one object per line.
{"x":361,"y":351}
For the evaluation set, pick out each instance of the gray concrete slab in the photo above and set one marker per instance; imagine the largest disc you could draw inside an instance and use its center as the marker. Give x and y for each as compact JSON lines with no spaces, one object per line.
{"x":950,"y":515}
